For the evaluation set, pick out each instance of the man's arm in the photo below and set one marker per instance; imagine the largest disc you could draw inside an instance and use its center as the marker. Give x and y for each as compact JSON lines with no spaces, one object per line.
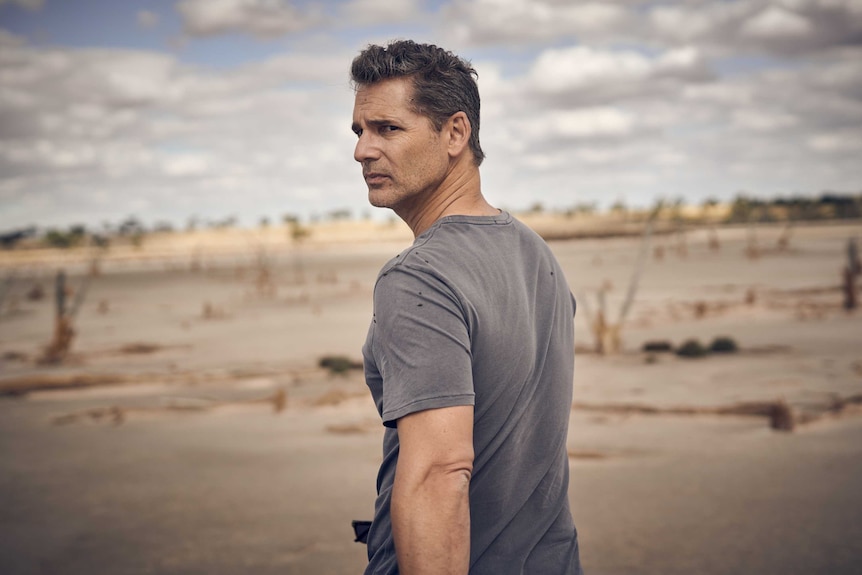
{"x":430,"y":496}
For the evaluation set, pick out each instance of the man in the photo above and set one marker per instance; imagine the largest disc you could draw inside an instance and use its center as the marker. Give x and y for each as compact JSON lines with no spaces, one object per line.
{"x":469,"y":355}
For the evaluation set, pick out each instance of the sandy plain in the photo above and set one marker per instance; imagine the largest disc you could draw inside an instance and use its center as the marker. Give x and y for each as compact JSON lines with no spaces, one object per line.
{"x":191,"y":429}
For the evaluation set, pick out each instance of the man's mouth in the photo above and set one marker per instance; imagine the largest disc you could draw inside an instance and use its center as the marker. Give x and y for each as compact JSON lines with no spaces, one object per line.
{"x":374,"y":178}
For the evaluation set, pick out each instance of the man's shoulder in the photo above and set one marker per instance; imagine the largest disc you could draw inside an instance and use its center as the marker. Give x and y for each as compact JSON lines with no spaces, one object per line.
{"x":409,"y":271}
{"x":456,"y":244}
{"x":444,"y":240}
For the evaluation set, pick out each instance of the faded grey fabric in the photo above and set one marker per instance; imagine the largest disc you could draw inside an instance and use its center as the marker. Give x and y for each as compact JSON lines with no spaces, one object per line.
{"x":478,"y":312}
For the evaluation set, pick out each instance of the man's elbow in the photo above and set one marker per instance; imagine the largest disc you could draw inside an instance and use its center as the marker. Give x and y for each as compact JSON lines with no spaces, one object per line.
{"x":452,"y":474}
{"x":459,"y":473}
{"x":436,"y":448}
{"x":456,"y":471}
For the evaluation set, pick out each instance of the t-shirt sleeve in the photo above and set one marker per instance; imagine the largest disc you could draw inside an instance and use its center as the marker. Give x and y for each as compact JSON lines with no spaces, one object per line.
{"x":421,"y":344}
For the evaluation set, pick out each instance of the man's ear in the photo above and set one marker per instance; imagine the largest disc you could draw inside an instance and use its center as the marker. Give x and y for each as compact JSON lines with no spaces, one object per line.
{"x":458,"y":131}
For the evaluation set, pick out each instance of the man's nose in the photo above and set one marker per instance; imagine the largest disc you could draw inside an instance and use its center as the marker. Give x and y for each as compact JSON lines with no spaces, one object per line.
{"x":365,"y":149}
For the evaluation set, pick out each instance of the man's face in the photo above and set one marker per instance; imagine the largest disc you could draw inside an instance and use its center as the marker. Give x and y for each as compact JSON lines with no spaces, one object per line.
{"x":404,"y":159}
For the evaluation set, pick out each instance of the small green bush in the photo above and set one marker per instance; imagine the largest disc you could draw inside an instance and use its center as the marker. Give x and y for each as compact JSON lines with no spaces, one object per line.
{"x":691,"y":348}
{"x":338,"y":364}
{"x":723,"y":344}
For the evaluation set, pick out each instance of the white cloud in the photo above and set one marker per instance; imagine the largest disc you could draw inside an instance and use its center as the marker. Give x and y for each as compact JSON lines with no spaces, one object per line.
{"x":776,"y":22}
{"x":263,"y":18}
{"x":685,"y":23}
{"x":763,"y":120}
{"x":580,"y":102}
{"x":783,"y":27}
{"x":595,"y":122}
{"x":489,"y":21}
{"x":580,"y":75}
{"x":361,"y":12}
{"x":838,"y":141}
{"x":853,"y":6}
{"x":82,"y":123}
{"x":718,"y":93}
{"x":186,"y":164}
{"x":581,"y":67}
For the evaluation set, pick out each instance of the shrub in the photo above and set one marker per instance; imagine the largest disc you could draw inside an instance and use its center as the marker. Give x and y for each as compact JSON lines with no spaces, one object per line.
{"x":657,"y":346}
{"x":691,"y":348}
{"x":36,"y":293}
{"x":782,"y":417}
{"x":338,"y":364}
{"x":723,"y":344}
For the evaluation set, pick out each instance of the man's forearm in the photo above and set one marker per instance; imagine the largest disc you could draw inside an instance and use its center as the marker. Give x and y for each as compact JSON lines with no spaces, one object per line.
{"x":431,"y":522}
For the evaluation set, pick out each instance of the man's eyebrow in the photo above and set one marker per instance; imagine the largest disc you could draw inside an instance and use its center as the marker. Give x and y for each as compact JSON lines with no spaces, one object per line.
{"x":375,"y":123}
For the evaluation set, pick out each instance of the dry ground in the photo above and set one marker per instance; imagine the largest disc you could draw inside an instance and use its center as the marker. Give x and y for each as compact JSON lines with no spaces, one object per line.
{"x":191,"y":430}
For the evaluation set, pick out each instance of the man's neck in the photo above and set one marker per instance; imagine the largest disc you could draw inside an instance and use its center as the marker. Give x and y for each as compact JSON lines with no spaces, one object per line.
{"x":460,"y":194}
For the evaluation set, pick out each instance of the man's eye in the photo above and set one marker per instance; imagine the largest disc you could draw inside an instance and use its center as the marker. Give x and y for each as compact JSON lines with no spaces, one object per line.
{"x":388,"y":128}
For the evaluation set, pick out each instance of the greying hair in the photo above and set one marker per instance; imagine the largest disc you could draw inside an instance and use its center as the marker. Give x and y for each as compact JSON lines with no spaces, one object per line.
{"x":443,"y":83}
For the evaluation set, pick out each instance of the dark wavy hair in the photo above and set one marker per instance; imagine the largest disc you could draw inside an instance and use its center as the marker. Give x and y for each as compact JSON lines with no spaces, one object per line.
{"x":443,"y":83}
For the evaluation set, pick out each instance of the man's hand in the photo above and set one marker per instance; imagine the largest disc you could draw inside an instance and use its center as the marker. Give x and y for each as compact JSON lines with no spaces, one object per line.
{"x":430,"y":496}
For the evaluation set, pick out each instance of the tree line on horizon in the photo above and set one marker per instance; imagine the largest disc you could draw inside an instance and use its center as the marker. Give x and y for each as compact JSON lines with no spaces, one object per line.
{"x":745,"y":208}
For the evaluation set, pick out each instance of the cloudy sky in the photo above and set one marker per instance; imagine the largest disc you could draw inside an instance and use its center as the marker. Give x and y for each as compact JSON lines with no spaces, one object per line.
{"x":214,"y":108}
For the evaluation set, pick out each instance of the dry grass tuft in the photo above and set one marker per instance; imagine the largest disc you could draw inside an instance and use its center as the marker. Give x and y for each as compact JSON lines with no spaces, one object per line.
{"x":846,"y":405}
{"x":140,"y":348}
{"x":330,"y":277}
{"x":36,"y":293}
{"x":346,"y":428}
{"x":331,"y":398}
{"x":279,"y":401}
{"x":113,"y":414}
{"x":589,"y":455}
{"x":750,"y":296}
{"x":14,"y":356}
{"x":209,"y":311}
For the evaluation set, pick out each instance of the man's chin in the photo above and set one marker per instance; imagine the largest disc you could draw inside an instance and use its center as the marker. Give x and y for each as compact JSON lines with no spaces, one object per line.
{"x":378,"y":199}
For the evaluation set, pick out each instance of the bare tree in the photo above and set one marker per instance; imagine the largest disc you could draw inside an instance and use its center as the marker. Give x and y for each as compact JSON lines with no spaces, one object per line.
{"x":6,"y":288}
{"x":851,"y":272}
{"x":606,"y":335}
{"x":64,"y":318}
{"x":298,"y":234}
{"x":714,"y":244}
{"x":783,"y":242}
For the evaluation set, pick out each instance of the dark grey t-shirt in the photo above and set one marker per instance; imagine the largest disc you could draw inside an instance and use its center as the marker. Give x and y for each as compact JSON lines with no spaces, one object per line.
{"x":477,"y":312}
